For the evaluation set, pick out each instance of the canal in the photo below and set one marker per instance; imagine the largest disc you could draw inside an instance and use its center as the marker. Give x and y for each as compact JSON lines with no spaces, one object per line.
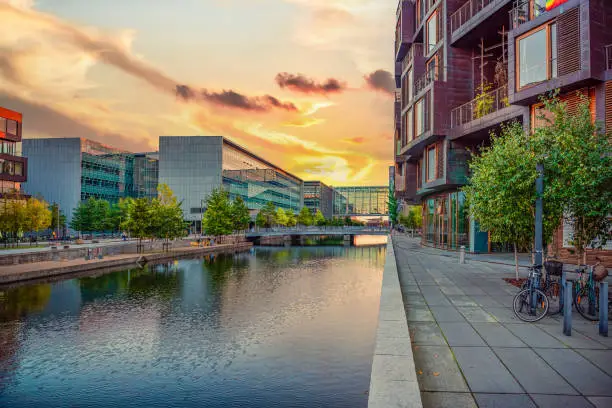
{"x":271,"y":327}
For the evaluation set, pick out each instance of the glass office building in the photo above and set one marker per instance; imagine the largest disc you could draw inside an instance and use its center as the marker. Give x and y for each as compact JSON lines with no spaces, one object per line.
{"x":319,"y":196}
{"x":354,"y":201}
{"x":193,"y":166}
{"x":69,"y":170}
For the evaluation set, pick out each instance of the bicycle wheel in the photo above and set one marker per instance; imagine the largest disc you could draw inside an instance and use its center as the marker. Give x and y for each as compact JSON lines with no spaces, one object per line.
{"x":522,"y":305}
{"x":587,"y":305}
{"x":553,"y":293}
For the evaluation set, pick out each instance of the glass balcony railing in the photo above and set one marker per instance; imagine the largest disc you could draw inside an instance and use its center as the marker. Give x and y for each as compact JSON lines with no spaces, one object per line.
{"x":526,"y":10}
{"x":466,"y":12}
{"x":480,"y":106}
{"x":416,"y":50}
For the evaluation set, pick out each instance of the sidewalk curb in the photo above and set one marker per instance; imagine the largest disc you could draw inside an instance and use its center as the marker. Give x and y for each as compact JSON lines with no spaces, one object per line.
{"x":393,"y":382}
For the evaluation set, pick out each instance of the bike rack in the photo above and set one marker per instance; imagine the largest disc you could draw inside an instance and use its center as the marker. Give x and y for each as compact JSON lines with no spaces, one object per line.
{"x":603,"y":309}
{"x":568,"y":287}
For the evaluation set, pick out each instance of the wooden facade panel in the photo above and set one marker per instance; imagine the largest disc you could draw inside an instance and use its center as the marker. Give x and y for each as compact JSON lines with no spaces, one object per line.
{"x":568,"y":42}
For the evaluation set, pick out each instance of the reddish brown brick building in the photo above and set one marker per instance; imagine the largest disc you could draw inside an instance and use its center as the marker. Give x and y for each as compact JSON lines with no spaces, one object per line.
{"x":13,"y":167}
{"x":462,"y":68}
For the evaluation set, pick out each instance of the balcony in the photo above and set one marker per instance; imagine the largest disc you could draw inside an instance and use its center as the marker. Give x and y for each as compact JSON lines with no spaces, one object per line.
{"x":608,"y":51}
{"x":433,"y":73}
{"x":404,"y":29}
{"x":480,"y":106}
{"x":524,"y":11}
{"x":466,"y":12}
{"x":415,"y":51}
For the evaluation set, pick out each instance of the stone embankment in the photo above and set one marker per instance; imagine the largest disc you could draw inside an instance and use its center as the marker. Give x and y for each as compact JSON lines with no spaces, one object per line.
{"x":49,"y":269}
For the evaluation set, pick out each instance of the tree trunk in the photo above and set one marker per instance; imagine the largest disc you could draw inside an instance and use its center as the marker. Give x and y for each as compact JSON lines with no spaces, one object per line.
{"x":516,"y":261}
{"x":583,"y":256}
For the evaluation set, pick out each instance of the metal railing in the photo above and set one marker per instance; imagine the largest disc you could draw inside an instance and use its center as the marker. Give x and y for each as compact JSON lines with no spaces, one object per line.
{"x":608,"y":50}
{"x":433,"y":73}
{"x":259,"y":230}
{"x":416,"y":50}
{"x":524,"y":11}
{"x":466,"y":12}
{"x":480,"y":106}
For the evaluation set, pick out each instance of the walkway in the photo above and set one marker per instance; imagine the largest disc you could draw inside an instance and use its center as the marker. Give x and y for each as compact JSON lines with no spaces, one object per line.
{"x":470,"y":350}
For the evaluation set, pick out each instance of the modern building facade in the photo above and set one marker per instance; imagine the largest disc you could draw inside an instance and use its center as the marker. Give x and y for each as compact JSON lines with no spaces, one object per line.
{"x":319,"y":196}
{"x":463,"y":68}
{"x":193,"y":166}
{"x":69,"y":170}
{"x":361,"y":201}
{"x":13,"y":167}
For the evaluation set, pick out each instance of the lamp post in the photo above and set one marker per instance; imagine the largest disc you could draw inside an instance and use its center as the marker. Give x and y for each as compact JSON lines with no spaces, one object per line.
{"x":539,"y":213}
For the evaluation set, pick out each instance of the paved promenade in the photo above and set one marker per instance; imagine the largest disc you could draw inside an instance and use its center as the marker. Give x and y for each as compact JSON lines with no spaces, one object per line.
{"x":471,"y":351}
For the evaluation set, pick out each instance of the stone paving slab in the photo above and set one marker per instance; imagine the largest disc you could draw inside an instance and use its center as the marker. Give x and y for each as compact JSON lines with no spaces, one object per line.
{"x":601,"y":358}
{"x":437,"y":370}
{"x":460,"y":333}
{"x":484,"y":372}
{"x":504,"y":401}
{"x":578,"y":371}
{"x":426,"y":333}
{"x":601,"y":402}
{"x":496,"y":335}
{"x":533,"y":373}
{"x":560,"y":401}
{"x":448,"y":400}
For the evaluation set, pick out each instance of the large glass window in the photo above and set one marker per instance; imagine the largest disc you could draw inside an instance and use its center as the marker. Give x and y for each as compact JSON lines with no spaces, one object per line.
{"x":11,"y":127}
{"x":409,"y":128}
{"x":432,"y":31}
{"x":410,"y":84}
{"x":537,"y":56}
{"x":431,"y":163}
{"x":419,"y":117}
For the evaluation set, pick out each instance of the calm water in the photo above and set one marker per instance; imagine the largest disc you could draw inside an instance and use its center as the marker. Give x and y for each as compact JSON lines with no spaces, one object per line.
{"x":274,"y":327}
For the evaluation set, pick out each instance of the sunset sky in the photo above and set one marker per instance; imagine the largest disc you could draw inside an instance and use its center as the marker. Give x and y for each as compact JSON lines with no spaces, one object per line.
{"x":304,"y":83}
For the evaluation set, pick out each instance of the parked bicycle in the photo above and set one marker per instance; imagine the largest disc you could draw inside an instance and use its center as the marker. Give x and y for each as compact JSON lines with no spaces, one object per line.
{"x":586,"y":293}
{"x":531,"y":304}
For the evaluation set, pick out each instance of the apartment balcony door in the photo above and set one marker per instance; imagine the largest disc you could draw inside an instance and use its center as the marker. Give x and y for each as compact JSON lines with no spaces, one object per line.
{"x":441,"y":222}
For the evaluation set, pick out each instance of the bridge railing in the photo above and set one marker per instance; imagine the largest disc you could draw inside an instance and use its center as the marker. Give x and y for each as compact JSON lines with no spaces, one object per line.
{"x":317,"y":229}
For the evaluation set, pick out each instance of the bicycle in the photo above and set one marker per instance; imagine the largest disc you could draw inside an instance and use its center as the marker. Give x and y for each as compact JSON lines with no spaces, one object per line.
{"x":552,"y":289}
{"x":531,"y":304}
{"x":586,"y":295}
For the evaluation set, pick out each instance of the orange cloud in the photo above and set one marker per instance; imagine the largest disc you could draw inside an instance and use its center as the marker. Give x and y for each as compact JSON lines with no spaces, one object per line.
{"x":303,"y":84}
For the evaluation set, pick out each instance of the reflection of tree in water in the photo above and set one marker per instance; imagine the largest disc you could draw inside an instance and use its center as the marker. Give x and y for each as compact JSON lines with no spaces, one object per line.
{"x":158,"y":280}
{"x":23,"y":300}
{"x":220,"y":267}
{"x":95,"y":287}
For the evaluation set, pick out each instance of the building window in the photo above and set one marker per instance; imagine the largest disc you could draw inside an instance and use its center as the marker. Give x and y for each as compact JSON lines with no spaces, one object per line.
{"x":537,"y":56}
{"x":405,"y":131}
{"x":420,"y":11}
{"x":410,"y":85}
{"x":409,"y":128}
{"x":421,"y":116}
{"x":432,"y":154}
{"x":11,"y":127}
{"x":432,"y":31}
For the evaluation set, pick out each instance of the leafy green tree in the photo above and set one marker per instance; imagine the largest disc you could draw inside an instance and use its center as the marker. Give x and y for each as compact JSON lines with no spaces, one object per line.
{"x":81,"y":218}
{"x":240,"y":214}
{"x":319,"y":218}
{"x":139,"y":222}
{"x":58,"y":219}
{"x":501,"y":190}
{"x":100,"y":211}
{"x":578,"y":165}
{"x":392,"y":204}
{"x":37,"y":215}
{"x":167,"y":218}
{"x":281,"y":217}
{"x":305,"y":217}
{"x":13,"y":217}
{"x":291,"y":219}
{"x":119,"y":213}
{"x":218,"y":218}
{"x":267,"y":216}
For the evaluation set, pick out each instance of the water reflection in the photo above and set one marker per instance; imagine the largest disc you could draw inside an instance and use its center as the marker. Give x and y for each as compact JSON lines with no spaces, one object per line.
{"x":269,"y":327}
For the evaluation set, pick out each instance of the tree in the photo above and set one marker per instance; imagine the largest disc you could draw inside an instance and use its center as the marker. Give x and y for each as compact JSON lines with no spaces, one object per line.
{"x":319,"y":219}
{"x":578,"y":162}
{"x":305,"y":217}
{"x":13,"y":217}
{"x":291,"y":219}
{"x":218,"y":218}
{"x":501,"y":190}
{"x":139,"y":220}
{"x":100,"y":213}
{"x":267,"y":216}
{"x":119,"y":213}
{"x":58,"y":219}
{"x":81,"y":220}
{"x":167,"y":220}
{"x":281,"y":217}
{"x":392,"y":204}
{"x":37,"y":215}
{"x":240,"y":214}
